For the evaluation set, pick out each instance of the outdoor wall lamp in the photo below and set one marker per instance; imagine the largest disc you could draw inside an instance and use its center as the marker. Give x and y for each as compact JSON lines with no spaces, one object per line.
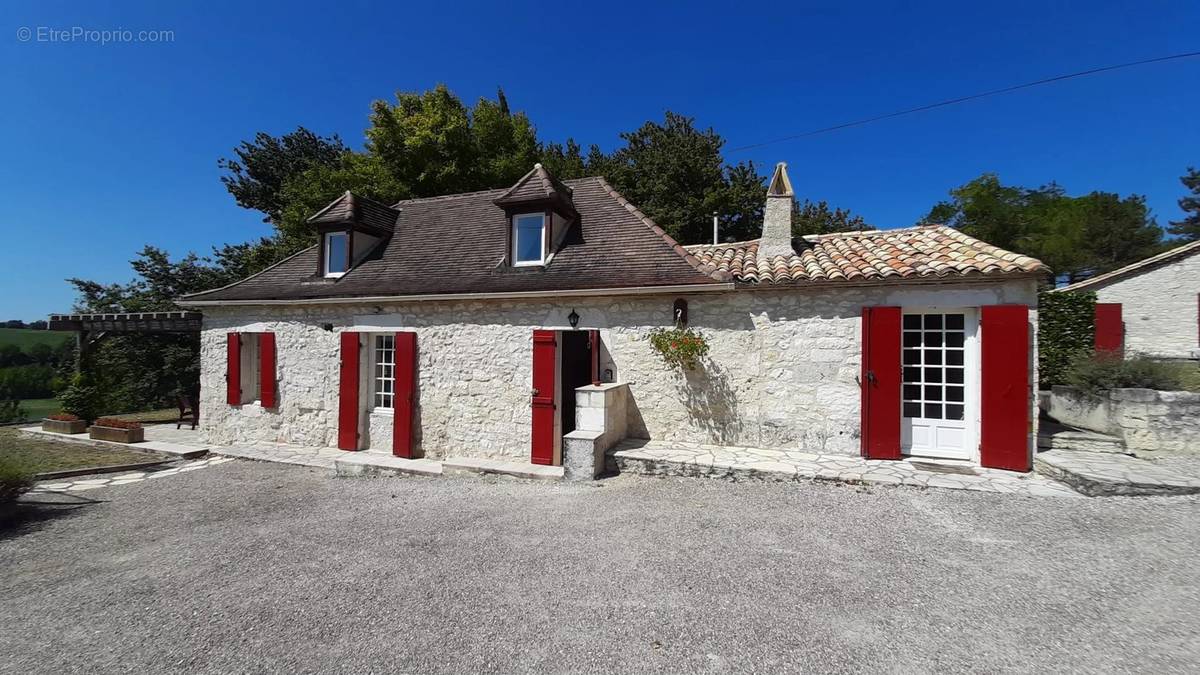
{"x":573,"y":318}
{"x":327,"y":326}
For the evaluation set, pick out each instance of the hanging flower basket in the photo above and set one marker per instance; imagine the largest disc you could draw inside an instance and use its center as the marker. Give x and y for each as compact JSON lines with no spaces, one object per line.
{"x":680,"y":347}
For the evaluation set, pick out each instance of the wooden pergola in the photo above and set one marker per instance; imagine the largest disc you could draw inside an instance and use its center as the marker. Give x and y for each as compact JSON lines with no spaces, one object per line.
{"x":91,"y":328}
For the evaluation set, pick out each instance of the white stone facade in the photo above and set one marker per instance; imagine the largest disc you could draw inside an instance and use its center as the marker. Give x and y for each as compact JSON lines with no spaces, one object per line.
{"x":781,"y":371}
{"x":1159,"y":307}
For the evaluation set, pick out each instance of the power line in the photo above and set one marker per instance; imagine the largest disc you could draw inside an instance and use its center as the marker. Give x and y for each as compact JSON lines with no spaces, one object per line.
{"x":963,"y":99}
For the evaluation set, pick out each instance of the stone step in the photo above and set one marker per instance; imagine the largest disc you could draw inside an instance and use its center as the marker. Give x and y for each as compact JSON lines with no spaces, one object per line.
{"x":366,"y":463}
{"x":1105,"y":474}
{"x":496,"y":466}
{"x":1055,"y":436}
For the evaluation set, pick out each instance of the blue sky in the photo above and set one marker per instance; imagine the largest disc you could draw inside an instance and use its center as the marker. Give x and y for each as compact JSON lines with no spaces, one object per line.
{"x":110,"y":147}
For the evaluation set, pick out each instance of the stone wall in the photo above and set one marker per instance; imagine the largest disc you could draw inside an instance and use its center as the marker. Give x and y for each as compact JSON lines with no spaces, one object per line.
{"x":1159,"y":308}
{"x":1151,"y":423}
{"x":781,"y":372}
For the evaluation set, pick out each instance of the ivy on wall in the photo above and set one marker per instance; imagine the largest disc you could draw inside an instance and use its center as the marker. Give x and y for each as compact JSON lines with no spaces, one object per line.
{"x":1066,"y":330}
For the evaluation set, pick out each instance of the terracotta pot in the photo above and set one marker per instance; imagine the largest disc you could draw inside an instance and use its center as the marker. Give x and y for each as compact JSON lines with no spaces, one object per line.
{"x":64,"y":426}
{"x":118,"y":435}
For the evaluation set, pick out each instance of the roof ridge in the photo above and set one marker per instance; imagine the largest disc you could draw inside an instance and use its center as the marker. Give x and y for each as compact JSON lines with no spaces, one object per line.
{"x":569,"y":182}
{"x":1169,"y":254}
{"x":707,"y":270}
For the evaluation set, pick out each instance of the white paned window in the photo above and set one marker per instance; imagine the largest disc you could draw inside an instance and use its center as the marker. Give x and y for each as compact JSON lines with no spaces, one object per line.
{"x":934,"y":366}
{"x":384,"y":380}
{"x":529,"y":238}
{"x":337,"y":254}
{"x":249,"y":367}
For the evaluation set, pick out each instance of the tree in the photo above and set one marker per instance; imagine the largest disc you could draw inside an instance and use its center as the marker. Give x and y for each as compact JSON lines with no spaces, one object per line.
{"x":987,"y":210}
{"x":818,"y":218}
{"x":264,"y":165}
{"x":1188,"y":229}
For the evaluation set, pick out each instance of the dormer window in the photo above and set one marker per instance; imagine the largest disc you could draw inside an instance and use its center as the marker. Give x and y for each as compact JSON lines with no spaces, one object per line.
{"x":337,"y":254}
{"x":528,"y":239}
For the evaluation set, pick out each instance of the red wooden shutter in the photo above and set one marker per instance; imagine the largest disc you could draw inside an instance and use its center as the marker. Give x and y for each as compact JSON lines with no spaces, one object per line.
{"x":405,"y":390}
{"x":233,"y":369}
{"x":545,"y":348}
{"x":348,"y":393}
{"x":266,"y":370}
{"x":594,"y":344}
{"x":881,"y":383}
{"x":1110,"y":330}
{"x":1004,"y":398}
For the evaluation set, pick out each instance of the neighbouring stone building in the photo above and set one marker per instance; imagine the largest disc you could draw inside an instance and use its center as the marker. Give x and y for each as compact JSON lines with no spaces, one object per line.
{"x":464,"y":325}
{"x":1151,"y":307}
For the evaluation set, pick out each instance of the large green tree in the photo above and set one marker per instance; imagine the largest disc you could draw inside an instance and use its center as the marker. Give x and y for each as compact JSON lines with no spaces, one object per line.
{"x":818,"y":218}
{"x":262,"y":167}
{"x":1076,"y":236}
{"x":1188,"y":229}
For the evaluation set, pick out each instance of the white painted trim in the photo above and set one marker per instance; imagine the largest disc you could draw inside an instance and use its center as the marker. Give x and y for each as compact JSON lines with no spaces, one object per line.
{"x":446,"y":297}
{"x":972,"y":400}
{"x":541,"y":248}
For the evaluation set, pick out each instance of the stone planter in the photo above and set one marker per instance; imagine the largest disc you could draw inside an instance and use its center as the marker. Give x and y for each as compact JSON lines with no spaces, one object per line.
{"x":117,"y":435}
{"x":64,"y":426}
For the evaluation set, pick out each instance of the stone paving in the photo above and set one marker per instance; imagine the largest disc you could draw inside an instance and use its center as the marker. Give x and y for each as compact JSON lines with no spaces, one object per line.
{"x":681,"y":459}
{"x":287,"y":454}
{"x":126,"y":478}
{"x":1104,"y":473}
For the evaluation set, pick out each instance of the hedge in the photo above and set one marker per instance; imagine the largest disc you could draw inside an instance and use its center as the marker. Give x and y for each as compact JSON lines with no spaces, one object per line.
{"x":1066,"y":332}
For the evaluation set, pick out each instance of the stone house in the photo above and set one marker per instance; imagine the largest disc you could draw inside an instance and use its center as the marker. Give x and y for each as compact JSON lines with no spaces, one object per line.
{"x":475,"y":324}
{"x":1151,"y":307}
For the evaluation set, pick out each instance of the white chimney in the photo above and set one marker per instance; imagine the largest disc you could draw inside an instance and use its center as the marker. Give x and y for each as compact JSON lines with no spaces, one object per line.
{"x":777,"y":216}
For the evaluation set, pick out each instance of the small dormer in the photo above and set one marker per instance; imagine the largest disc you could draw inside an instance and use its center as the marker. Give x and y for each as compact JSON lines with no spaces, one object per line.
{"x":538,"y":212}
{"x":349,"y":228}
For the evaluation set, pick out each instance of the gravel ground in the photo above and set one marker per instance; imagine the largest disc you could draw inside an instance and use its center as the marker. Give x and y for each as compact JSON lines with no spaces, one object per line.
{"x":253,"y":567}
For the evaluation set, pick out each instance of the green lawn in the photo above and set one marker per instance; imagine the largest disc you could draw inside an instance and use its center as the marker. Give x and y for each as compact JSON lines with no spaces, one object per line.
{"x":38,"y":455}
{"x":26,"y":338}
{"x":37,"y":408}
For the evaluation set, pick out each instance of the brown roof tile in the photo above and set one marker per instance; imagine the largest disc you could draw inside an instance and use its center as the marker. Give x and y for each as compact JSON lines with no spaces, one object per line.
{"x":909,"y":253}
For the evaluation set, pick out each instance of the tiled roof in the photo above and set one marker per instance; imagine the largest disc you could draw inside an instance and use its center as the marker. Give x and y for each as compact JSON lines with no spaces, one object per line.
{"x":1139,"y":266}
{"x":537,"y":185}
{"x":350,"y":208}
{"x":458,"y":243}
{"x":933,"y":251}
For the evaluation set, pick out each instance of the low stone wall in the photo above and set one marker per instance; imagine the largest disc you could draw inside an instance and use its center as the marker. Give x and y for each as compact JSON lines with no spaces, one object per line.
{"x":1150,"y":422}
{"x":601,"y":421}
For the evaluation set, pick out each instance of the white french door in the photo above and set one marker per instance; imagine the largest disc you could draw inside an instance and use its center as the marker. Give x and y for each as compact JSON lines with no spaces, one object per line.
{"x":939,"y":383}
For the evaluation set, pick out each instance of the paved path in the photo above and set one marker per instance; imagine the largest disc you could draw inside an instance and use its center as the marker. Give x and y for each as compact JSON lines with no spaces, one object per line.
{"x":103,"y":480}
{"x":1107,"y":473}
{"x":284,"y":454}
{"x":667,"y":458}
{"x":258,"y":567}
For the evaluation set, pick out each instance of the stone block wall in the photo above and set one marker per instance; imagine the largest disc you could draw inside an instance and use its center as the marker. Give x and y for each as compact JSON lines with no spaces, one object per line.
{"x":1151,"y":423}
{"x":601,"y":417}
{"x":781,"y":372}
{"x":1159,"y":308}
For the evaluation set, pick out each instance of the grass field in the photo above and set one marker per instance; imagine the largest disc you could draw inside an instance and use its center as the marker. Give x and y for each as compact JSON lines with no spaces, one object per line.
{"x":25,"y":338}
{"x":37,"y":408}
{"x":37,"y":455}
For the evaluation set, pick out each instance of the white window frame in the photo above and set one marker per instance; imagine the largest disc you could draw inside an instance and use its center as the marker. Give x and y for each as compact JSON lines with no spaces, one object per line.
{"x":541,"y":246}
{"x":389,"y":376}
{"x":329,"y":249}
{"x":249,"y":368}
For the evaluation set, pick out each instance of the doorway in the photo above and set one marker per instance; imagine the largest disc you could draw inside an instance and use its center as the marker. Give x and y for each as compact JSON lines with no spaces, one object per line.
{"x":939,"y":383}
{"x":576,"y":372}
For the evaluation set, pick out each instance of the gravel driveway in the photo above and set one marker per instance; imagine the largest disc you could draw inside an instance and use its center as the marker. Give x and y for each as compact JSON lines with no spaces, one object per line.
{"x":255,"y":567}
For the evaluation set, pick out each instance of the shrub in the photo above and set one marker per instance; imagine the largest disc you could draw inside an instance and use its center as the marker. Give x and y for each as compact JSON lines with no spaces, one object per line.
{"x":679,"y":346}
{"x":81,"y":399}
{"x":1095,"y":374}
{"x":10,"y":407}
{"x":63,"y":417}
{"x":14,"y":480}
{"x":114,"y":423}
{"x":1066,"y":330}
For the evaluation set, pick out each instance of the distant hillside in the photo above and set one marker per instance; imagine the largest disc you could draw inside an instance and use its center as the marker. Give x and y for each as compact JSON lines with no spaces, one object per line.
{"x":25,"y":338}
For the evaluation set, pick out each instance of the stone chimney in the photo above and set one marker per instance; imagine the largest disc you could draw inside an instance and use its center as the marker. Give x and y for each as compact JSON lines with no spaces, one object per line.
{"x":777,"y":216}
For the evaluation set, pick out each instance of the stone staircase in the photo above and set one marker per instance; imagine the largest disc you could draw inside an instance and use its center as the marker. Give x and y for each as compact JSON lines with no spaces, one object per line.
{"x":1099,"y":465}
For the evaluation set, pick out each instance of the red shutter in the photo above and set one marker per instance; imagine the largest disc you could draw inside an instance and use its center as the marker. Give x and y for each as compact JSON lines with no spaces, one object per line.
{"x":881,"y":383}
{"x":545,"y":348}
{"x":348,"y":394}
{"x":594,"y":345}
{"x":266,"y":370}
{"x":233,"y":369}
{"x":405,"y":389}
{"x":1004,"y":396}
{"x":1110,"y":330}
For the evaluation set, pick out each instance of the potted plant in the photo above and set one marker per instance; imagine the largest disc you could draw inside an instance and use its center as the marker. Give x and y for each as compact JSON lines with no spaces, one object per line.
{"x":682,"y":347}
{"x":64,"y":423}
{"x":120,"y":431}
